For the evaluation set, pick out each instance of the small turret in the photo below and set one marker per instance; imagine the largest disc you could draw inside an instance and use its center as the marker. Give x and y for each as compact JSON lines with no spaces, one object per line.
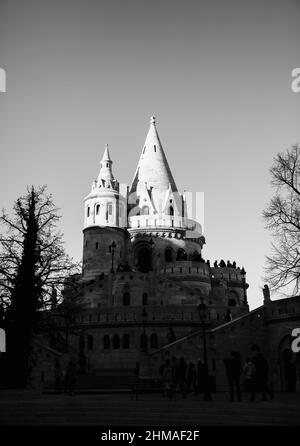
{"x":104,"y":206}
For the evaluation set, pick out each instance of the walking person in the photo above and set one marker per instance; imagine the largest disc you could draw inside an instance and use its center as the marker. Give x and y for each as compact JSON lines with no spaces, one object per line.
{"x":233,"y":373}
{"x":191,"y":378}
{"x":249,"y":376}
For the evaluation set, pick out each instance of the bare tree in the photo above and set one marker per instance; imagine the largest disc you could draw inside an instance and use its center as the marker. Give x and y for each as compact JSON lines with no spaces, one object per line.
{"x":282,"y":217}
{"x":32,"y":262}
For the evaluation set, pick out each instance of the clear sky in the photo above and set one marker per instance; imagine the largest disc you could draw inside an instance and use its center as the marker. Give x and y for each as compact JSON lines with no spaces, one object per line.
{"x":216,"y":74}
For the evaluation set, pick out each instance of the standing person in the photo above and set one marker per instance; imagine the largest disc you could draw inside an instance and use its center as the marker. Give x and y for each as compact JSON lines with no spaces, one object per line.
{"x":262,"y":376}
{"x":200,"y":376}
{"x":168,"y":379}
{"x":191,"y":378}
{"x":175,"y":375}
{"x":249,"y":375}
{"x":233,"y":373}
{"x":70,"y":378}
{"x":182,"y":368}
{"x":58,"y":376}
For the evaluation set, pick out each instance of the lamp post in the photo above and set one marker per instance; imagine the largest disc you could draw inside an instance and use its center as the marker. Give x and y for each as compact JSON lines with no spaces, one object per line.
{"x":243,"y":274}
{"x":144,"y":318}
{"x":112,"y":248}
{"x":202,"y":309}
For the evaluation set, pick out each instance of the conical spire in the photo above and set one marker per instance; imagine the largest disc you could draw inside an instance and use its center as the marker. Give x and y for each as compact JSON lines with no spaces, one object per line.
{"x":106,"y":167}
{"x":153,"y":168}
{"x":106,"y":155}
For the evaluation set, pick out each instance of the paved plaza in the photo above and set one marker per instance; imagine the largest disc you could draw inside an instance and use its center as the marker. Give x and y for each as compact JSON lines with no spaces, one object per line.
{"x":28,"y":408}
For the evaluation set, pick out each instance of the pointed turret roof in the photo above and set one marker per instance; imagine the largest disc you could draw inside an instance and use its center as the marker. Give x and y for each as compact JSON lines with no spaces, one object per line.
{"x":153,"y":168}
{"x":106,"y":166}
{"x":106,"y":155}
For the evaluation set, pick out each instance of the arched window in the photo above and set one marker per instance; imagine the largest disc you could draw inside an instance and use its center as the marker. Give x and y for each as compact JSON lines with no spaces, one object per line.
{"x":143,"y":341}
{"x":171,"y":210}
{"x":106,"y":342}
{"x":181,"y":254}
{"x":88,"y":211}
{"x":126,"y":341}
{"x":116,"y":341}
{"x":154,"y":341}
{"x":144,"y":259}
{"x":145,"y":210}
{"x":97,"y":209}
{"x":145,"y":299}
{"x":168,"y":255}
{"x":126,"y":299}
{"x":90,"y":342}
{"x":232,"y":299}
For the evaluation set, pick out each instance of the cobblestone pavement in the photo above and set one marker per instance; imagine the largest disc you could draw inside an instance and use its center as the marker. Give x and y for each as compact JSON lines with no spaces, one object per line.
{"x":26,"y":408}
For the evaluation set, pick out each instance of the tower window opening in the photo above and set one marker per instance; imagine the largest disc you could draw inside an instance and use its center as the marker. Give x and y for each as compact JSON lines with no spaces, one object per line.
{"x":145,"y":299}
{"x":126,"y":341}
{"x":106,"y":342}
{"x":109,"y":208}
{"x":171,"y":210}
{"x":143,"y":341}
{"x":88,"y":211}
{"x":116,"y":342}
{"x":145,"y":210}
{"x":168,"y":255}
{"x":97,"y":245}
{"x":126,"y":299}
{"x":97,"y":209}
{"x":154,"y":148}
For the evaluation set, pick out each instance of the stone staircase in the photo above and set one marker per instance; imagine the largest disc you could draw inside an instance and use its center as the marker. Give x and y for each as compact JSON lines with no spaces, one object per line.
{"x":110,"y":381}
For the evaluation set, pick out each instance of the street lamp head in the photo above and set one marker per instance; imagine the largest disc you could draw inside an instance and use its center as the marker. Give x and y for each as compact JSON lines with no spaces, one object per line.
{"x":202,"y":310}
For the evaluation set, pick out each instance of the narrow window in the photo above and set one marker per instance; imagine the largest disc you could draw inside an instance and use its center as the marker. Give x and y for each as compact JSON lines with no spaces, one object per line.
{"x":126,"y":341}
{"x":88,"y":211}
{"x":145,"y":299}
{"x":106,"y":342}
{"x":97,"y":245}
{"x":97,"y":209}
{"x":143,"y":341}
{"x":109,"y":208}
{"x":116,"y":342}
{"x":154,"y":148}
{"x":126,"y":299}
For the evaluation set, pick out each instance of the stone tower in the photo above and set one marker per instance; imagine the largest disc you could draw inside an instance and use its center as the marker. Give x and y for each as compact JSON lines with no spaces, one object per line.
{"x":104,"y":222}
{"x":143,"y":271}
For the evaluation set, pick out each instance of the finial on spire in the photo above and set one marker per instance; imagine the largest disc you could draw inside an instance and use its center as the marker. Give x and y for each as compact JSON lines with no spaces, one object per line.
{"x":153,"y":120}
{"x":106,"y":156}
